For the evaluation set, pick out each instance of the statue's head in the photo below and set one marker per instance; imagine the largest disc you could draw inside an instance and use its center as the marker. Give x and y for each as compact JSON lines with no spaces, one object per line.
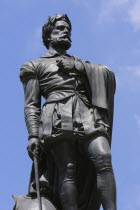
{"x":57,"y":32}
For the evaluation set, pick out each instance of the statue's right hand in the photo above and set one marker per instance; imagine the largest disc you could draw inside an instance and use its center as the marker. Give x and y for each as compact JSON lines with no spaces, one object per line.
{"x":65,"y":64}
{"x":33,"y":147}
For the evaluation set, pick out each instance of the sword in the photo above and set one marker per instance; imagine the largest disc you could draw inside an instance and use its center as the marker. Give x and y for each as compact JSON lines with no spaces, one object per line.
{"x":37,"y":182}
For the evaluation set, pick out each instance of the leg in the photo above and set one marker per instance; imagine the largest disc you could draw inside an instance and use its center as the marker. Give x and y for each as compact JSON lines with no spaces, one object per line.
{"x":65,"y":159}
{"x":98,"y":151}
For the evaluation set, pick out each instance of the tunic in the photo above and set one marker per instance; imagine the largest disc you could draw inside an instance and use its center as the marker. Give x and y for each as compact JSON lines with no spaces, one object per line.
{"x":68,"y":111}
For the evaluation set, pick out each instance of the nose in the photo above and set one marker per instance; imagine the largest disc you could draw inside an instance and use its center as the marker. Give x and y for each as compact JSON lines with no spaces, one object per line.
{"x":66,"y":30}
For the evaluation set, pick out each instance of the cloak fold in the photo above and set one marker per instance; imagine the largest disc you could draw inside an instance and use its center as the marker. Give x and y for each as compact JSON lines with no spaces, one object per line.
{"x":102,"y":87}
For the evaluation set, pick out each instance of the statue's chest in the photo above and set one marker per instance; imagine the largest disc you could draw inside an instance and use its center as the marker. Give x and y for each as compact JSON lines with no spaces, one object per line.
{"x":49,"y":70}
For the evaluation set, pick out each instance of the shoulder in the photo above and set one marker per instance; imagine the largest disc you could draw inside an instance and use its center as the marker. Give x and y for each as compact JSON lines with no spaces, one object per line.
{"x":101,"y":68}
{"x":104,"y":67}
{"x":30,"y":64}
{"x":28,"y":69}
{"x":106,"y":70}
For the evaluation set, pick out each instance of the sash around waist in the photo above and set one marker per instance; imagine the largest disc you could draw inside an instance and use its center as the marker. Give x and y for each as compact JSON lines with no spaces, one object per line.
{"x":68,"y":117}
{"x":60,"y":95}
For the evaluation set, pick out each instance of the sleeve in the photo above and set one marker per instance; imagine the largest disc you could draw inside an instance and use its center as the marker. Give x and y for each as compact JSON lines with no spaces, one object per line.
{"x":32,"y":107}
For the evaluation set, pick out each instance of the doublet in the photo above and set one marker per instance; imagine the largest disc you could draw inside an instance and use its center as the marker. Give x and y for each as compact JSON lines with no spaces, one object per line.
{"x":68,"y":110}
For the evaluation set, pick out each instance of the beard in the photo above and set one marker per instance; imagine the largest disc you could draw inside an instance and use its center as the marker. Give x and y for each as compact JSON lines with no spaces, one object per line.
{"x":60,"y":42}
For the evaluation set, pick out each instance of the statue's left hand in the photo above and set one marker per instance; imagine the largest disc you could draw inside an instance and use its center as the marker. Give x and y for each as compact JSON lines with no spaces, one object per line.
{"x":65,"y":64}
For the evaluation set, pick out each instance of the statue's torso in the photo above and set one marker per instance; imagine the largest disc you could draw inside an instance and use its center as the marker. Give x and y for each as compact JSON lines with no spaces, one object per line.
{"x":67,"y":107}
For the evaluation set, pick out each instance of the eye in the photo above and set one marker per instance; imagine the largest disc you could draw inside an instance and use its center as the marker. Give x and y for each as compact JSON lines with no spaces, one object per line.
{"x":61,"y":28}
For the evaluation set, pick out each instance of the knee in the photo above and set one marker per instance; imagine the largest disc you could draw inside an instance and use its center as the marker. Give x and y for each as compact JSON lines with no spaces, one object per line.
{"x":103,"y":162}
{"x":70,"y":171}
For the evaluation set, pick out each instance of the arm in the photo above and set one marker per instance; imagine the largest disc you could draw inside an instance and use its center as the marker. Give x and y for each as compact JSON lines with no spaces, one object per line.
{"x":32,"y":105}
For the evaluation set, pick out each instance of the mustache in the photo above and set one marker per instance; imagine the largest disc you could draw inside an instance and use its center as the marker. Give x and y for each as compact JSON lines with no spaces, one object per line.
{"x":67,"y":36}
{"x":62,"y":38}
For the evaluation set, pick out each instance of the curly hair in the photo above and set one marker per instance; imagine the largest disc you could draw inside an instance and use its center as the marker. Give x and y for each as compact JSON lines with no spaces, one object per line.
{"x":48,"y":27}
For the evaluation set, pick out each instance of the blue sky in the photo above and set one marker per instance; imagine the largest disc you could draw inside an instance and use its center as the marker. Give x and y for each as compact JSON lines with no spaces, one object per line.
{"x":105,"y":32}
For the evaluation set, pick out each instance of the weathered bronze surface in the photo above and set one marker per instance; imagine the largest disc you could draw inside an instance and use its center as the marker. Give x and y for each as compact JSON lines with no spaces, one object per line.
{"x":71,"y":134}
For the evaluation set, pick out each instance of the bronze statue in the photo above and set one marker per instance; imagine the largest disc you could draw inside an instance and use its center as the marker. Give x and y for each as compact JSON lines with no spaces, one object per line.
{"x":71,"y":134}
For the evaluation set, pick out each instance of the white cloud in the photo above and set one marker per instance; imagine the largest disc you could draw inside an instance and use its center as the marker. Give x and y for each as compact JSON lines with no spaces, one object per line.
{"x":134,"y":15}
{"x":109,"y":11}
{"x":128,"y":9}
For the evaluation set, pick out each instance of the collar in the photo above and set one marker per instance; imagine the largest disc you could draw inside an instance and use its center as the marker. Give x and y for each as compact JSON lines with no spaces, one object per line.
{"x":53,"y":53}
